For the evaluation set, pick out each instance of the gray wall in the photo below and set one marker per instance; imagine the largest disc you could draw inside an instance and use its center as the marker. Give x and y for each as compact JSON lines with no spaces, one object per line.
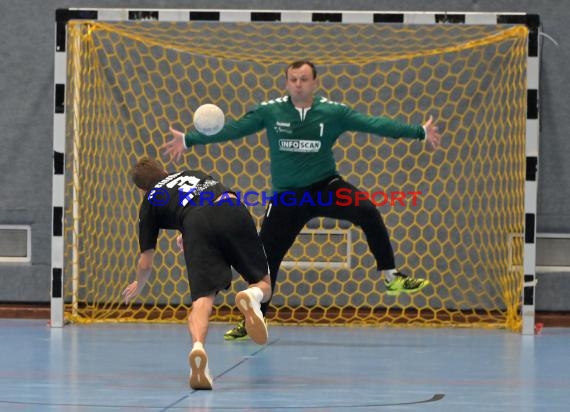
{"x":26,"y":107}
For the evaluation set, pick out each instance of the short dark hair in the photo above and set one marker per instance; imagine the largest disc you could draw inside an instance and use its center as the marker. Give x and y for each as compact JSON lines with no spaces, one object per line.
{"x":147,"y":172}
{"x":299,"y":63}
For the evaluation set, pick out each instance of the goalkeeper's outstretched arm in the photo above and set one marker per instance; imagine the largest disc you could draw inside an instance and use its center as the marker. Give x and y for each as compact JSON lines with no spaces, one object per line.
{"x":248,"y":124}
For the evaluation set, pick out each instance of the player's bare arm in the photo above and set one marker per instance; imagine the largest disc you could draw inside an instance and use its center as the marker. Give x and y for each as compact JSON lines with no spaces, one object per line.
{"x":144,"y":267}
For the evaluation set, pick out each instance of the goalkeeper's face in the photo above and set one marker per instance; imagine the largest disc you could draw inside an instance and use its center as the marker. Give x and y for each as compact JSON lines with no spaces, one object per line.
{"x":301,"y":85}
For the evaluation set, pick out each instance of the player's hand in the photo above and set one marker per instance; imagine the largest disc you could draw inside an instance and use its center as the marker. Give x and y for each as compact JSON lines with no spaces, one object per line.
{"x":179,"y":242}
{"x":131,"y":291}
{"x":175,"y":147}
{"x":433,"y":137}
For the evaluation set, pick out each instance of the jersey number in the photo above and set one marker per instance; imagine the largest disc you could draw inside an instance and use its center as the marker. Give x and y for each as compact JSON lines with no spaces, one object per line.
{"x":186,"y":188}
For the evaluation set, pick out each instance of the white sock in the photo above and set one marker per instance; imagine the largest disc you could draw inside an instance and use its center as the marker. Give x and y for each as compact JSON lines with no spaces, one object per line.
{"x":255,"y":293}
{"x":389,"y":274}
{"x":198,"y":345}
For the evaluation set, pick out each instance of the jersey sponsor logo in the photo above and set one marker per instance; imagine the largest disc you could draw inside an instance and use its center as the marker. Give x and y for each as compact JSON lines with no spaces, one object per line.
{"x":301,"y":146}
{"x":283,"y":127}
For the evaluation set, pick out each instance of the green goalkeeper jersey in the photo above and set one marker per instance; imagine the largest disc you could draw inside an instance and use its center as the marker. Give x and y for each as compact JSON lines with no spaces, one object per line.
{"x":301,"y":140}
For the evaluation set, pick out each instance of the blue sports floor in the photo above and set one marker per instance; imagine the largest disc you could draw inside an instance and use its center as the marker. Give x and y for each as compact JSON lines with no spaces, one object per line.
{"x":143,"y":367}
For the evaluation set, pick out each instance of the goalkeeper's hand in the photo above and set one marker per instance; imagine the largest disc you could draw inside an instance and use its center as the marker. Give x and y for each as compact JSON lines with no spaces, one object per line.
{"x":175,"y":147}
{"x":433,"y":137}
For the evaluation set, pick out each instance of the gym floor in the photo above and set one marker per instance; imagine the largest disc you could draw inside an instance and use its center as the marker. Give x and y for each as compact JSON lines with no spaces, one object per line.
{"x":143,"y":367}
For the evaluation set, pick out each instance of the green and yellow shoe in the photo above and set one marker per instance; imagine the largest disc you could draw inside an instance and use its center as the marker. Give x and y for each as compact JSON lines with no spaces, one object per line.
{"x":237,"y":333}
{"x":404,"y":284}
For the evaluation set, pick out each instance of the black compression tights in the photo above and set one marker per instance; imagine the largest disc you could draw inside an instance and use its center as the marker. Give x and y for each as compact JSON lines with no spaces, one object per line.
{"x":282,"y":223}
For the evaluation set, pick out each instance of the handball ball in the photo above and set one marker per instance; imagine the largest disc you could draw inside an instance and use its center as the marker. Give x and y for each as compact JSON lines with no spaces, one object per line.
{"x":209,"y":119}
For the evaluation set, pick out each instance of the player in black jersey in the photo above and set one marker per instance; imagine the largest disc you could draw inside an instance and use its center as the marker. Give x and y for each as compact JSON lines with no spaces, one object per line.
{"x":217,"y":232}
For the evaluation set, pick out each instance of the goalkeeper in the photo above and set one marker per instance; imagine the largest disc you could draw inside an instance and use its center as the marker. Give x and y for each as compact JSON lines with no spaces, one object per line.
{"x":217,"y":232}
{"x":301,"y":130}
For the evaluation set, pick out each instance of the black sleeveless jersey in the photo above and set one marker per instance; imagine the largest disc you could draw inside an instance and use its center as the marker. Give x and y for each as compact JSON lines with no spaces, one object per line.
{"x":166,"y":204}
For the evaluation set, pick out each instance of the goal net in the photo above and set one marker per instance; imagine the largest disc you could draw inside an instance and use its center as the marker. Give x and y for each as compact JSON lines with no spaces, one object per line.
{"x":127,"y":82}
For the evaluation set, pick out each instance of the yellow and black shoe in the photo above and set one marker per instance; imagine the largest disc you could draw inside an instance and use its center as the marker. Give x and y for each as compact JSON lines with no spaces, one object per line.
{"x":237,"y":333}
{"x":404,"y":284}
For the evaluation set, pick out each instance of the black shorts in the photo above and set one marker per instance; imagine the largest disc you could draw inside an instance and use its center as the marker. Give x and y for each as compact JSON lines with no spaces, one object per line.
{"x":217,"y":237}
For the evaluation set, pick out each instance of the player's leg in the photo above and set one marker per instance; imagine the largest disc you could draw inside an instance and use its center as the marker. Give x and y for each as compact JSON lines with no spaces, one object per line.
{"x":198,"y":328}
{"x":208,"y":273}
{"x":362,"y":212}
{"x":248,"y":302}
{"x":281,"y":225}
{"x":242,"y":248}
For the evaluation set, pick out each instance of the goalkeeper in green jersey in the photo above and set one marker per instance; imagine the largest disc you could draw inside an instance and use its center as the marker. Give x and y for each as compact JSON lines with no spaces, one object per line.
{"x":301,"y":130}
